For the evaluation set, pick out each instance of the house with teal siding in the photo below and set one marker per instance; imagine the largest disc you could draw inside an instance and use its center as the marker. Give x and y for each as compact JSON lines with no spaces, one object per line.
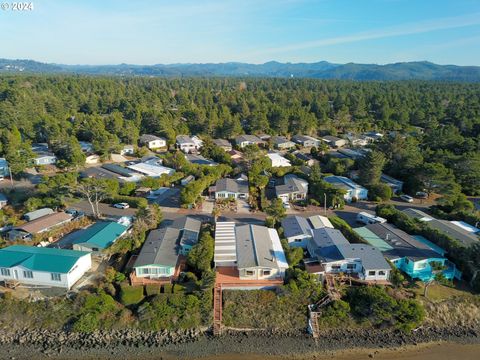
{"x":416,"y":258}
{"x":161,"y":254}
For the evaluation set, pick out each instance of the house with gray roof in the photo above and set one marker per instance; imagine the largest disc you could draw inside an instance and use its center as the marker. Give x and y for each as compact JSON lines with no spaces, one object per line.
{"x":188,"y":144}
{"x":418,"y":259}
{"x":223,"y":144}
{"x":230,"y":188}
{"x":282,"y":143}
{"x":336,"y":255}
{"x":254,"y":250}
{"x":245,"y":140}
{"x":293,"y":188}
{"x":306,"y":141}
{"x":162,"y":252}
{"x":199,"y":160}
{"x":461,"y":234}
{"x":333,"y":141}
{"x":152,"y":142}
{"x":394,"y":184}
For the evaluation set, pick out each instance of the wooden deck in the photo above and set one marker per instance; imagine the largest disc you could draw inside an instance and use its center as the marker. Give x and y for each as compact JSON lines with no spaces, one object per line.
{"x":228,"y":277}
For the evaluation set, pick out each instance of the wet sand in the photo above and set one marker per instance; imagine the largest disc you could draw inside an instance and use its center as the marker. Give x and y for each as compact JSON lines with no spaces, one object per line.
{"x":438,"y":351}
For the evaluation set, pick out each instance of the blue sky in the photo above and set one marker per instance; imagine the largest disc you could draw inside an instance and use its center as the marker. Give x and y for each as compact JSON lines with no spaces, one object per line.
{"x":256,"y":31}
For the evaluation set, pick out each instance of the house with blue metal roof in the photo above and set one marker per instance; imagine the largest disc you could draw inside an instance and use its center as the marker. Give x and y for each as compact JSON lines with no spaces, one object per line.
{"x":99,"y":236}
{"x":39,"y":266}
{"x":416,"y":257}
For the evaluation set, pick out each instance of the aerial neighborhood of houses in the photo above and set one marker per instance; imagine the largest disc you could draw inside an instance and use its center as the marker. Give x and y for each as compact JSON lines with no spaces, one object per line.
{"x":64,"y":247}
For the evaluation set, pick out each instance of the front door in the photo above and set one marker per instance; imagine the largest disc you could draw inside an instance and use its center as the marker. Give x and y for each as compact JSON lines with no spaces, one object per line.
{"x":15,"y":274}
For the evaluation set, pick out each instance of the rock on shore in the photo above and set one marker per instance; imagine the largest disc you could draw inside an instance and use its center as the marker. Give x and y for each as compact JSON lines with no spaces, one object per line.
{"x":130,"y":343}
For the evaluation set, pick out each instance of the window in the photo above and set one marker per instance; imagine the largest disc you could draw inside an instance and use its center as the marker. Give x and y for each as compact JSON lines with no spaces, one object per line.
{"x":5,"y":272}
{"x":266,"y":272}
{"x":351,"y":266}
{"x":371,"y":273}
{"x":56,"y":277}
{"x":28,"y":275}
{"x":250,"y":273}
{"x":381,"y":272}
{"x":335,"y":267}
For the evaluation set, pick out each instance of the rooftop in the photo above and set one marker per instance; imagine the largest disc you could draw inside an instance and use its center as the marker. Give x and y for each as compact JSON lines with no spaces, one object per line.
{"x":342,"y":182}
{"x":40,"y":258}
{"x":232,"y":185}
{"x":100,"y":235}
{"x":160,"y":248}
{"x":148,"y":137}
{"x":292,"y":184}
{"x":295,"y":225}
{"x":401,"y":243}
{"x":44,"y":223}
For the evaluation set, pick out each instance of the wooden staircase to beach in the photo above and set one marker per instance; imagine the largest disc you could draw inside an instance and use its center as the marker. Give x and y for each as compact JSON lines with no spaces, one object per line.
{"x":217,"y":310}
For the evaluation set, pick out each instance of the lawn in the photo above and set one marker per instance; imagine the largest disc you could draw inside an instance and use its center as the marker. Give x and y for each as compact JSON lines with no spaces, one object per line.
{"x":437,"y":292}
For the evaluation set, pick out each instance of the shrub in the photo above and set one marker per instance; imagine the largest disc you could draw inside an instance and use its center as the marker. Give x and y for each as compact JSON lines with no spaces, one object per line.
{"x":179,"y":289}
{"x":131,"y":295}
{"x":134,"y":202}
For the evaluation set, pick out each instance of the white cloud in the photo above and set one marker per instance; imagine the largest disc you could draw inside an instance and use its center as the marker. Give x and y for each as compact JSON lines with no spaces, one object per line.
{"x":400,"y":30}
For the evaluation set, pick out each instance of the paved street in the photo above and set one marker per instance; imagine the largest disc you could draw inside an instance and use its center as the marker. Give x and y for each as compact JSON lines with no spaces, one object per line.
{"x":105,"y":209}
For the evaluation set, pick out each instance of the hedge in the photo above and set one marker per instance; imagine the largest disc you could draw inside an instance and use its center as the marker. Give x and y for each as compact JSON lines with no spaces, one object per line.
{"x":134,"y":202}
{"x":346,"y":230}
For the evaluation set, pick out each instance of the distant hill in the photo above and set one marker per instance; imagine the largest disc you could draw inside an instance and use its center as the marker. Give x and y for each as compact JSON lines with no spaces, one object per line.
{"x":421,"y":70}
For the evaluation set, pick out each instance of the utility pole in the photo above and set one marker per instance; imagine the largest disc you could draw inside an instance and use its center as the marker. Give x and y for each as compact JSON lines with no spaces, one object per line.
{"x":325,"y":203}
{"x":11,"y":177}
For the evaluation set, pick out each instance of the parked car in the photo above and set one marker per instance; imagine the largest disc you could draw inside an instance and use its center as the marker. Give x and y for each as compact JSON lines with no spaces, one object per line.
{"x":406,"y":198}
{"x":75,"y":213}
{"x":286,"y":205}
{"x":421,"y":195}
{"x":1,"y":178}
{"x":121,"y":206}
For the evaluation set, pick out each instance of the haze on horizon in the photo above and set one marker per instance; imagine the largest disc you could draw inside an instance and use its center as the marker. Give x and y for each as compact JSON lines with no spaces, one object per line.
{"x":200,"y":31}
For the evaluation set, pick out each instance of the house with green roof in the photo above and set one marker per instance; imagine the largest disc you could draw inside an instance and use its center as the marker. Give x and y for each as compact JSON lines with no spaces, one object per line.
{"x":39,"y":266}
{"x":99,"y":236}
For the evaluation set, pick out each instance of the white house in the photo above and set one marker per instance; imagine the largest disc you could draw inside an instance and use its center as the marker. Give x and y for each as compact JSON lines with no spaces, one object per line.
{"x":334,"y":141}
{"x":278,"y":160}
{"x":92,"y":159}
{"x":353,"y":190}
{"x":189,"y":144}
{"x":298,"y":230}
{"x":151,"y":170}
{"x":245,"y":140}
{"x":293,"y":188}
{"x":336,"y":255}
{"x":127,"y":150}
{"x":152,"y":142}
{"x":43,"y":266}
{"x":254,"y":251}
{"x":367,"y":218}
{"x":42,"y":155}
{"x":231,"y":188}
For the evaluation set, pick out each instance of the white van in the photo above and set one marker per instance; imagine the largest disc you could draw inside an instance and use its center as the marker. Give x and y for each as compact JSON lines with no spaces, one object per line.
{"x":366,"y":218}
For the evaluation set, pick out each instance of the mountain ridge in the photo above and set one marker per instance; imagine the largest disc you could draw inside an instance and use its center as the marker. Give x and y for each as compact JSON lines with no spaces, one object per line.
{"x":415,"y":70}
